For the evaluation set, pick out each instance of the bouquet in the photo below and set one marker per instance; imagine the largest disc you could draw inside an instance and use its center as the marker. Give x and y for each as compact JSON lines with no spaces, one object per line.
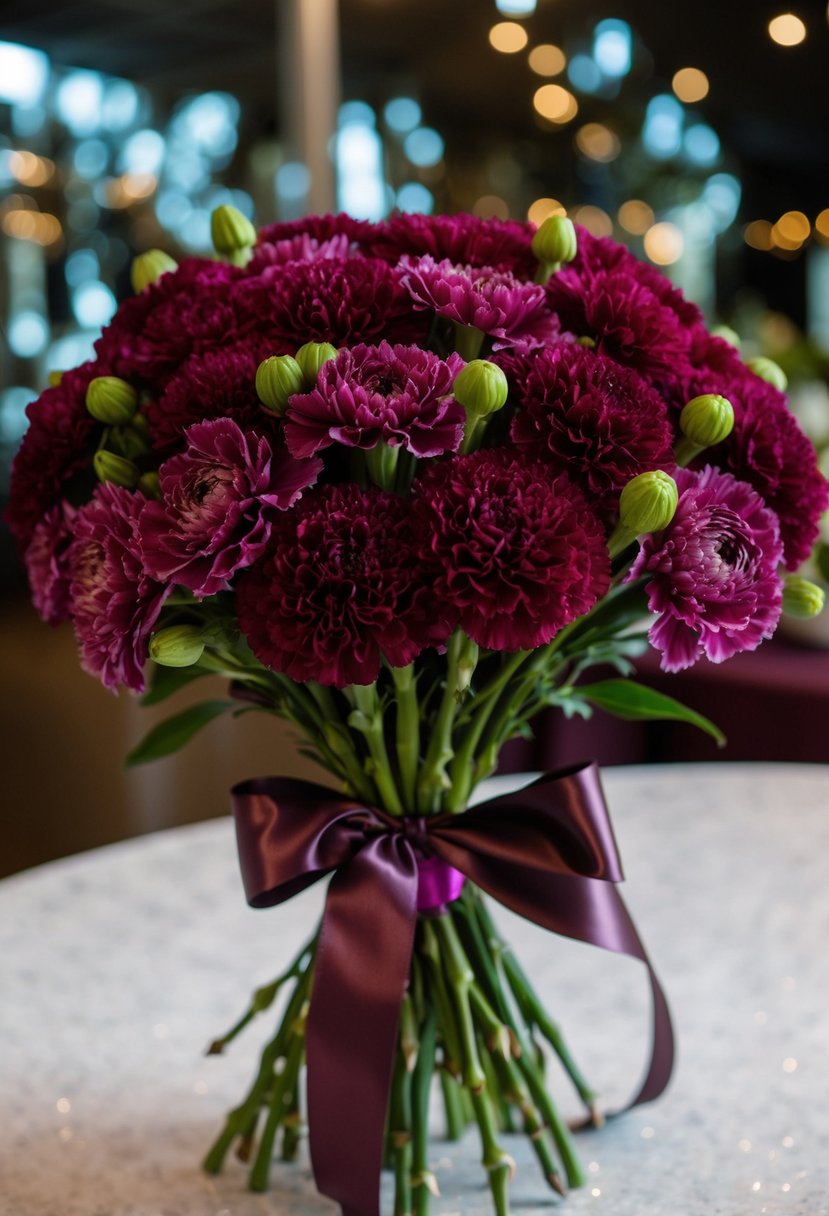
{"x":404,"y":484}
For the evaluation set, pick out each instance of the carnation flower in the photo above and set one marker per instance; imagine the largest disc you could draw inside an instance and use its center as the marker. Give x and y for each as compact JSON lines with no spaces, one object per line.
{"x":401,"y":395}
{"x":320,"y":228}
{"x":465,"y":240}
{"x":514,"y":554}
{"x":586,"y":415}
{"x":493,"y":301}
{"x":114,"y":602}
{"x":219,"y":384}
{"x":56,"y":451}
{"x":299,"y":248}
{"x":186,"y":312}
{"x":339,"y":587}
{"x":46,"y":564}
{"x":338,"y":300}
{"x":714,"y":580}
{"x":218,"y":499}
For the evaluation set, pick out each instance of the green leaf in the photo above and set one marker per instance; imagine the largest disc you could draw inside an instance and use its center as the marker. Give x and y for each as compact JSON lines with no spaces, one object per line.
{"x":168,"y":680}
{"x":173,"y":733}
{"x":635,"y":702}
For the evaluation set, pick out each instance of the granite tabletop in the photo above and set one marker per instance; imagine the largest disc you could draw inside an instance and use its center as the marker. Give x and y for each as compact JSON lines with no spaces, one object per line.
{"x":117,"y":967}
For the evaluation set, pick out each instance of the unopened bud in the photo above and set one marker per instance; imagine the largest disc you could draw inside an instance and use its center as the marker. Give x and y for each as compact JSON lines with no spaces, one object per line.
{"x":801,"y":597}
{"x":727,"y":334}
{"x":129,"y":441}
{"x":54,"y":379}
{"x":555,"y":241}
{"x":481,"y":388}
{"x":769,"y":371}
{"x":150,"y":484}
{"x":648,"y":502}
{"x":707,"y":420}
{"x":277,"y":379}
{"x":117,"y":469}
{"x":232,"y":233}
{"x":311,"y":358}
{"x":148,"y":267}
{"x":177,"y":646}
{"x":111,"y":400}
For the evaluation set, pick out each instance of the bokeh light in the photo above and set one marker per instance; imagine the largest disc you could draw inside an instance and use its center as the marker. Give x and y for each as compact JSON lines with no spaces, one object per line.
{"x":543,"y":208}
{"x":690,"y":84}
{"x":491,"y":206}
{"x":555,"y":103}
{"x":594,"y":219}
{"x":547,"y":59}
{"x":612,"y":47}
{"x":508,"y":37}
{"x":402,"y":114}
{"x":635,"y":216}
{"x":598,"y":142}
{"x":787,"y":30}
{"x":664,"y":244}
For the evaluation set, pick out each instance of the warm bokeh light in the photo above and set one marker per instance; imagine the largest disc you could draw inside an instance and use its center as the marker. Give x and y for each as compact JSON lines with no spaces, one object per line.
{"x":690,"y":84}
{"x":543,"y":208}
{"x":129,"y":188}
{"x":508,"y":37}
{"x":822,"y":225}
{"x":30,"y":170}
{"x":794,"y":226}
{"x":635,"y":216}
{"x":787,"y":30}
{"x":596,"y":221}
{"x":547,"y":59}
{"x":35,"y":226}
{"x":757,"y":234}
{"x":597,"y":142}
{"x":555,"y":103}
{"x":491,"y":206}
{"x":664,"y":244}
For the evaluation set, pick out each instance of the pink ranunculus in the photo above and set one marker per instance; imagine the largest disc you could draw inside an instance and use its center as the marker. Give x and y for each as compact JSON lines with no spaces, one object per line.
{"x":400,"y":395}
{"x":219,"y":497}
{"x":115,"y":603}
{"x":512,"y":552}
{"x":46,"y":563}
{"x":340,"y":587}
{"x":512,"y":312}
{"x":714,"y":581}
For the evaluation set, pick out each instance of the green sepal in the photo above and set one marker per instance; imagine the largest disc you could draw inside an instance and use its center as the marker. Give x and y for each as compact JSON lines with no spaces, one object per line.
{"x":637,"y":703}
{"x":168,"y":736}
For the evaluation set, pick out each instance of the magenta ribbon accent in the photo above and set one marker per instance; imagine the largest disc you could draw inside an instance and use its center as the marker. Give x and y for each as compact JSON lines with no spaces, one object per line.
{"x":546,"y":851}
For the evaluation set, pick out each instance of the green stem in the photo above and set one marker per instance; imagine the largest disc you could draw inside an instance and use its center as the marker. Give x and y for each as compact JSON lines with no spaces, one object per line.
{"x":381,"y":463}
{"x":407,"y":727}
{"x":452,"y":1053}
{"x":460,"y":977}
{"x":280,"y":1099}
{"x":400,"y":1133}
{"x":433,"y":779}
{"x":468,"y":341}
{"x":453,"y":1106}
{"x":368,"y":719}
{"x":499,"y":1165}
{"x":424,"y":1183}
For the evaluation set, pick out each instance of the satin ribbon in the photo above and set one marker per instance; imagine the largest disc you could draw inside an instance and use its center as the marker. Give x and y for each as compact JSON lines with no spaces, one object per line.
{"x":546,"y":851}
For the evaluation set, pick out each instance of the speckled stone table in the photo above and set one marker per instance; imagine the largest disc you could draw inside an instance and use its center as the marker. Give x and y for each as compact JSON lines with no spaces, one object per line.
{"x":117,"y":967}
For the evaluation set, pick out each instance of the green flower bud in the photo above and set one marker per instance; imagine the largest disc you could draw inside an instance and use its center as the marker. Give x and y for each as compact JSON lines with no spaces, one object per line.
{"x":54,"y":379}
{"x":232,"y":233}
{"x":481,"y":388}
{"x":556,"y":240}
{"x":277,"y":379}
{"x":648,"y":503}
{"x":769,"y":371}
{"x":150,"y":484}
{"x":110,"y":400}
{"x":148,"y":267}
{"x":801,"y":597}
{"x":117,"y":469}
{"x":727,"y":334}
{"x":128,"y":441}
{"x":177,"y":646}
{"x":311,"y":357}
{"x":707,"y":420}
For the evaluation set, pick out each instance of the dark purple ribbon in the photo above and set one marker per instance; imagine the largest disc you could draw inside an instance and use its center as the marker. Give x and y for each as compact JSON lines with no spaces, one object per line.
{"x":546,"y":851}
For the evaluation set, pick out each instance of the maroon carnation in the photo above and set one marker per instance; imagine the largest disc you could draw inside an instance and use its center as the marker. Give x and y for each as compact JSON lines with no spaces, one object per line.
{"x":401,"y":395}
{"x":185,"y":312}
{"x":515,"y":554}
{"x":220,"y":384}
{"x":340,"y":586}
{"x":218,"y":500}
{"x":465,"y":240}
{"x":46,"y":563}
{"x":342,"y":301}
{"x":301,"y":248}
{"x":589,"y":417}
{"x":57,"y":446}
{"x":320,"y":228}
{"x":714,"y":580}
{"x":114,"y":603}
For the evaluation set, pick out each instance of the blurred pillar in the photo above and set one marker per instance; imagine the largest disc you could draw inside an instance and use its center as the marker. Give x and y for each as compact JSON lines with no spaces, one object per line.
{"x":309,"y":86}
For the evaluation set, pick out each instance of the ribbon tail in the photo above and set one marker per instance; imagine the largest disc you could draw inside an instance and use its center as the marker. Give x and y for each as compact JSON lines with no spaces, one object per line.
{"x":360,"y":976}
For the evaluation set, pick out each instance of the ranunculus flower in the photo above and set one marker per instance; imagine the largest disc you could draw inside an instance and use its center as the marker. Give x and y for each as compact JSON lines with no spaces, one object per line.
{"x":713,"y":571}
{"x":46,"y":563}
{"x":493,"y":301}
{"x":514,"y":553}
{"x":339,"y":587}
{"x":219,"y":497}
{"x":600,"y":423}
{"x":401,"y":395}
{"x":115,"y":603}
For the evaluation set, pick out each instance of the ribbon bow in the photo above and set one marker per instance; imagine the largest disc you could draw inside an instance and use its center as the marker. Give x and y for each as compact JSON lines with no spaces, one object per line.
{"x":545,"y":851}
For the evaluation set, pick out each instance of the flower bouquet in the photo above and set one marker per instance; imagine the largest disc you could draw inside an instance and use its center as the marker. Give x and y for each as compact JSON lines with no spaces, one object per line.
{"x":404,"y":485}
